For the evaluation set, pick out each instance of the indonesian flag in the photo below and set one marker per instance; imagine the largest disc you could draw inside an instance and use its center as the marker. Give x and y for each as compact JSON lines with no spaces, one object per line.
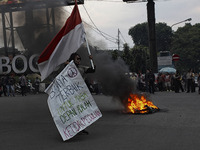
{"x":66,"y":42}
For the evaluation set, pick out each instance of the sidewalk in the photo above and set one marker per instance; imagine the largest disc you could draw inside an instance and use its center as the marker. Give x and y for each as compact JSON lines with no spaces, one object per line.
{"x":26,"y":124}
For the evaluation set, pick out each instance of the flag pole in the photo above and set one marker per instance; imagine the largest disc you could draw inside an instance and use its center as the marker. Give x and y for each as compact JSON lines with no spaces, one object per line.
{"x":89,"y":52}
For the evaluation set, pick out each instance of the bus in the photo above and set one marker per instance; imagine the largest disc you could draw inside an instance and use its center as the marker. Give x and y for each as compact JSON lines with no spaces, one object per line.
{"x":164,"y":59}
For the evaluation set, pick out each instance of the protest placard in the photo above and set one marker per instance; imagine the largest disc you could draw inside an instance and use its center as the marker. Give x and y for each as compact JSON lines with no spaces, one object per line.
{"x":70,"y":102}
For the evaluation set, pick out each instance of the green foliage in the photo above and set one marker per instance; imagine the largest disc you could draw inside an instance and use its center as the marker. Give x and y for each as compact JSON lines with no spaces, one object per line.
{"x":126,"y":56}
{"x":163,"y":37}
{"x":186,"y":43}
{"x":139,"y":34}
{"x":140,"y":57}
{"x":114,"y":55}
{"x":136,"y":58}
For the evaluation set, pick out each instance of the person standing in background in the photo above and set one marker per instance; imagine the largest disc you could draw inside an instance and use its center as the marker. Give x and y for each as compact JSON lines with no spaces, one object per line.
{"x":189,"y":80}
{"x":23,"y":84}
{"x":37,"y":84}
{"x":10,"y":84}
{"x":151,"y":80}
{"x":1,"y":88}
{"x":198,"y":79}
{"x":193,"y":82}
{"x":3,"y":82}
{"x":146,"y":80}
{"x":168,"y":82}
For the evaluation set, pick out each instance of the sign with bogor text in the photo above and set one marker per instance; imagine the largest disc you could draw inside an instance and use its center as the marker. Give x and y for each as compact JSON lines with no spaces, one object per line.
{"x":11,"y":65}
{"x":71,"y":103}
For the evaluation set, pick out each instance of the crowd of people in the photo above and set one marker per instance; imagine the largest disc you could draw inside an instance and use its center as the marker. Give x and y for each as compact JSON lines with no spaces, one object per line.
{"x":10,"y":85}
{"x":148,"y":82}
{"x":176,"y":82}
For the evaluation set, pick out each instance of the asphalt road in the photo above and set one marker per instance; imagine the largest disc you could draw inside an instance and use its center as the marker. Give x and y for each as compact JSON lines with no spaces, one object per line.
{"x":26,"y":124}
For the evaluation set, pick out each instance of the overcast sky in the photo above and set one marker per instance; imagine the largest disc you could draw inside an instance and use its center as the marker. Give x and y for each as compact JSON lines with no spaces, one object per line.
{"x":111,"y":15}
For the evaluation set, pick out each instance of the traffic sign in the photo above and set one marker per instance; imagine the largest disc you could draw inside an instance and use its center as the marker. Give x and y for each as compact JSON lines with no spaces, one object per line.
{"x":175,"y":57}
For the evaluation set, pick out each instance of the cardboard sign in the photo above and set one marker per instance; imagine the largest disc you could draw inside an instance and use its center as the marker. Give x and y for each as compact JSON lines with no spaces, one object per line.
{"x":71,"y":103}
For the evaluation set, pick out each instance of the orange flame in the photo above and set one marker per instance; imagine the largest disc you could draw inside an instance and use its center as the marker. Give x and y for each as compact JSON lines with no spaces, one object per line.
{"x":138,"y":104}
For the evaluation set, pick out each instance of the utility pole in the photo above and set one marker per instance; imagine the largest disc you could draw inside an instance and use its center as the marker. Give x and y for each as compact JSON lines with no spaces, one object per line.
{"x":152,"y":35}
{"x":118,"y":43}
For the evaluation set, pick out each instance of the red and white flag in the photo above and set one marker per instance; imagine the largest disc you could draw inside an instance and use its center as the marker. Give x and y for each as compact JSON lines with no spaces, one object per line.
{"x":66,"y":42}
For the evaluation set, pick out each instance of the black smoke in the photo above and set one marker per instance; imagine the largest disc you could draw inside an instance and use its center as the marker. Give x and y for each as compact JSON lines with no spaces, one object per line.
{"x":112,"y":75}
{"x":36,"y":33}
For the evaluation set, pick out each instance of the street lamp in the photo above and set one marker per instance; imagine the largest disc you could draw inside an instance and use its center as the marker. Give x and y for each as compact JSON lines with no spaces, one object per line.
{"x":189,"y":19}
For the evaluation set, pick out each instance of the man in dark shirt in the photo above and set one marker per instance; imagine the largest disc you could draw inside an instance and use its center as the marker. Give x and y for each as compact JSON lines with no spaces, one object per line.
{"x":151,"y":80}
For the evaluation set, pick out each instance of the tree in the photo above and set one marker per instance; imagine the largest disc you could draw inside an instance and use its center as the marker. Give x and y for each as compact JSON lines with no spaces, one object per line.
{"x":114,"y":55}
{"x":136,"y":58}
{"x":186,"y":43}
{"x":126,"y":56}
{"x":139,"y":34}
{"x":163,"y":37}
{"x":140,"y":59}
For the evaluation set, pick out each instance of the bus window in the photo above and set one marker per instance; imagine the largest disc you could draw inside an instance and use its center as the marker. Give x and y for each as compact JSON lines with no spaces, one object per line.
{"x":164,"y":53}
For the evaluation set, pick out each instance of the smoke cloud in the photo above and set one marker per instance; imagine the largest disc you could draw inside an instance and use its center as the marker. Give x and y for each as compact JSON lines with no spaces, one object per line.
{"x":110,"y":74}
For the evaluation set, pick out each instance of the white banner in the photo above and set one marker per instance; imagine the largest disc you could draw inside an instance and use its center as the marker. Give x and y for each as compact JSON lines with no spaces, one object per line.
{"x":71,"y":103}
